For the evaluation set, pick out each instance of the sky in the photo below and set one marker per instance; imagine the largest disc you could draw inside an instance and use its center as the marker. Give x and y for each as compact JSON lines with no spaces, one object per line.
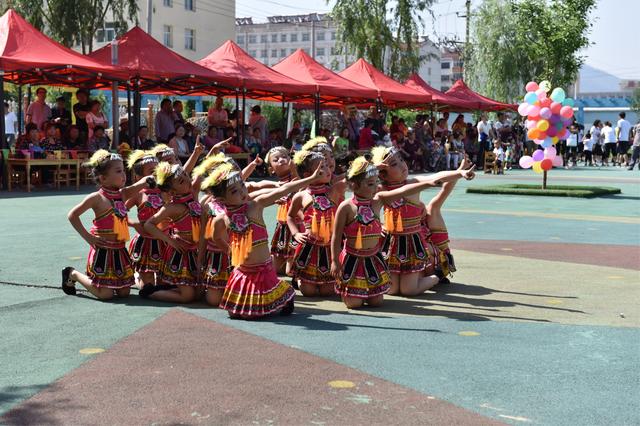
{"x":615,"y":48}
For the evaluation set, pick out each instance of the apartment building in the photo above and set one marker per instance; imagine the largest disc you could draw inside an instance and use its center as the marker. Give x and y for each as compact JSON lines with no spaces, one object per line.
{"x":451,"y":68}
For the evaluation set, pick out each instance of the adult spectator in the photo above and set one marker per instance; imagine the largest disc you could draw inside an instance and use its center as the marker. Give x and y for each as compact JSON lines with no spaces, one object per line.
{"x":635,"y":155}
{"x":459,"y":126}
{"x":165,"y":123}
{"x":60,"y":115}
{"x":177,"y":112}
{"x":596,"y":136}
{"x":73,"y":139}
{"x":142,"y":139}
{"x":366,"y":140}
{"x":99,"y":140}
{"x":95,"y":117}
{"x":218,"y":117}
{"x":38,"y":112}
{"x":211,"y":138}
{"x":572,"y":146}
{"x":502,"y":128}
{"x":352,"y":124}
{"x":609,"y":138}
{"x":442,"y":129}
{"x":179,"y":143}
{"x":395,"y":125}
{"x":123,"y":133}
{"x":80,"y":111}
{"x":483,"y":132}
{"x":297,"y":129}
{"x":10,"y":124}
{"x":50,"y":142}
{"x":258,"y":121}
{"x":623,"y":130}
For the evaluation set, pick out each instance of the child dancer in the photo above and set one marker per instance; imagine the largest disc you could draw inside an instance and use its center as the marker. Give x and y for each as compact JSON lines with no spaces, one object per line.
{"x":253,"y":289}
{"x":406,"y":248}
{"x":108,"y":265}
{"x":179,"y":270}
{"x":320,"y":145}
{"x":318,"y":205}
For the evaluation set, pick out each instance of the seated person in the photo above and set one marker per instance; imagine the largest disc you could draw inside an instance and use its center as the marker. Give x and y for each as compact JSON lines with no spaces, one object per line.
{"x":73,"y":141}
{"x":51,"y":142}
{"x":99,"y":140}
{"x":142,"y":140}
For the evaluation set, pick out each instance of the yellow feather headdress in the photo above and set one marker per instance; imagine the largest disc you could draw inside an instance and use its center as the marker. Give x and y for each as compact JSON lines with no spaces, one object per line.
{"x":317,"y":144}
{"x":166,"y":171}
{"x":208,"y":164}
{"x":100,"y":156}
{"x":224,"y":172}
{"x":380,"y":154}
{"x":161,"y":151}
{"x":140,"y":156}
{"x":361,"y":165}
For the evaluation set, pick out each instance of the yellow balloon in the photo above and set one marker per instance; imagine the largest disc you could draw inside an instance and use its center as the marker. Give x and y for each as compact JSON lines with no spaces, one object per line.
{"x":554,"y":140}
{"x":537,"y":167}
{"x":543,"y":125}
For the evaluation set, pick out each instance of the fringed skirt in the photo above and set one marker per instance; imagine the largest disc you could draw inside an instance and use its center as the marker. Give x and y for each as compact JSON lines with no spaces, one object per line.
{"x":446,"y":264}
{"x":110,"y":267}
{"x":282,"y":244}
{"x":146,"y":253}
{"x":179,"y":268}
{"x":312,"y":264}
{"x":217,"y":268}
{"x":407,"y":253}
{"x":255,"y":291}
{"x":363,"y":276}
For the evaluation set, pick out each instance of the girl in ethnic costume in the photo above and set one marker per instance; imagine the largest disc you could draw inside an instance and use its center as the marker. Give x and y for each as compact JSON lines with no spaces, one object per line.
{"x":320,"y":145}
{"x":179,"y":271}
{"x":253,"y":289}
{"x":406,"y":247}
{"x":109,"y":268}
{"x":318,"y":205}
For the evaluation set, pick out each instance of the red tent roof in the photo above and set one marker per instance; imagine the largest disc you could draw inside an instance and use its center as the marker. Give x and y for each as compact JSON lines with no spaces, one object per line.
{"x":461,"y":91}
{"x":389,"y":91}
{"x":157,"y":66}
{"x":259,"y":80}
{"x":329,"y":85}
{"x":28,"y":56}
{"x":440,"y":99}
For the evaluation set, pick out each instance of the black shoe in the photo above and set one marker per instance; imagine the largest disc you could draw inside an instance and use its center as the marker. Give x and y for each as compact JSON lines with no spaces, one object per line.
{"x":444,"y":281}
{"x":67,"y":283}
{"x":288,"y":309}
{"x":147,"y":291}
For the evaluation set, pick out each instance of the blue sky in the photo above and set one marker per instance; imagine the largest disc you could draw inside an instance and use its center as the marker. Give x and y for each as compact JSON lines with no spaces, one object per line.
{"x":615,"y":46}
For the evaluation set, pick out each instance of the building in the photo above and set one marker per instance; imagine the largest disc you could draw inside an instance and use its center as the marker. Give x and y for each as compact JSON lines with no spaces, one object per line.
{"x":272,"y":41}
{"x":430,"y":68}
{"x":451,"y":68}
{"x":192,"y":28}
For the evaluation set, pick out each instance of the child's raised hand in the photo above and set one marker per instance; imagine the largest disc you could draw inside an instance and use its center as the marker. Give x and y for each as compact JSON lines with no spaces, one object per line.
{"x":301,"y":237}
{"x":222,"y":144}
{"x":257,"y":161}
{"x":198,"y":147}
{"x":469,"y":174}
{"x":320,"y":172}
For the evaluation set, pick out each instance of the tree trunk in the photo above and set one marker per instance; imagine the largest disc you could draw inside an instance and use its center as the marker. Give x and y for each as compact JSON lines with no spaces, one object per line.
{"x":544,"y":180}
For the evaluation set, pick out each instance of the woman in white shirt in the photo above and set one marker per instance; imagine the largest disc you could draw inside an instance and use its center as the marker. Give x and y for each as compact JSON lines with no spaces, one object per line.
{"x":95,"y":117}
{"x":179,"y":144}
{"x":572,"y":146}
{"x":596,"y":136}
{"x":609,"y":136}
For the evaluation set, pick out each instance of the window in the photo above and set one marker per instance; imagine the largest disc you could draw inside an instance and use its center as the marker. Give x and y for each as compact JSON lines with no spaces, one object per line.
{"x":334,"y":51}
{"x":333,"y":35}
{"x":263,"y":53}
{"x":458,"y":64}
{"x":263,"y":38}
{"x":305,"y":36}
{"x":167,"y":35}
{"x":168,"y":3}
{"x":306,"y":51}
{"x":445,"y":78}
{"x":320,"y":36}
{"x":293,"y":37}
{"x":283,"y":52}
{"x":445,"y":65}
{"x":274,"y":53}
{"x":189,"y":39}
{"x":107,"y":33}
{"x":444,"y":88}
{"x":283,"y":38}
{"x":320,"y":51}
{"x":253,"y":39}
{"x":292,"y":51}
{"x":457,"y":76}
{"x":252,"y":53}
{"x":190,"y":5}
{"x":240,"y":39}
{"x":274,"y":38}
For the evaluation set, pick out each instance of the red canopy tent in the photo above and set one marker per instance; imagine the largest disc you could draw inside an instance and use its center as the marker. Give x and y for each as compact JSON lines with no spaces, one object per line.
{"x":29,"y":57}
{"x":440,"y":100}
{"x":390,"y":92}
{"x":158,"y":68}
{"x":329,"y":86}
{"x":461,"y":91}
{"x":256,"y":80}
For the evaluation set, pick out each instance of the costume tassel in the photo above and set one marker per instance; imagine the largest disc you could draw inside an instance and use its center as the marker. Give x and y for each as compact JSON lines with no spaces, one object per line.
{"x":195,"y":230}
{"x":399,"y":227}
{"x":323,"y":228}
{"x":314,"y":225}
{"x":358,"y":244}
{"x":388,"y":219}
{"x":208,"y":231}
{"x":121,"y":228}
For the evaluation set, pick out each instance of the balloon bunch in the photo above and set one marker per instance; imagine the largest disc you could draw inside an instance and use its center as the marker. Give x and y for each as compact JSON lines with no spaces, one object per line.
{"x":548,"y":116}
{"x":542,"y":161}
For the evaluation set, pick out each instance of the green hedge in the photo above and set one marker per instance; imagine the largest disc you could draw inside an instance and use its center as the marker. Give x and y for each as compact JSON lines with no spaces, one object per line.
{"x":551,"y":191}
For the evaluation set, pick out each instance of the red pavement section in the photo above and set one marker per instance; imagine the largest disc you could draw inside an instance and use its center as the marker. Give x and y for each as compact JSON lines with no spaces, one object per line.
{"x":183,"y":369}
{"x":617,"y":256}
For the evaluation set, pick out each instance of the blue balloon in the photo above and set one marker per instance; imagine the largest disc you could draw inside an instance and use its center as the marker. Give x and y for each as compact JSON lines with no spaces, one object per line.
{"x":530,"y":98}
{"x":558,"y":94}
{"x":547,"y":143}
{"x":568,"y":102}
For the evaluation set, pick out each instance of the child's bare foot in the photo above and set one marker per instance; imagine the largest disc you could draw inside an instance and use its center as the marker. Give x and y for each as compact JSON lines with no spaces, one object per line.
{"x":67,"y":283}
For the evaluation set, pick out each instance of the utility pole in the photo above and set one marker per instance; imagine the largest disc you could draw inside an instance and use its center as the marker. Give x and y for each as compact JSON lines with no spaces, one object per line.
{"x":313,"y":38}
{"x":149,"y":15}
{"x":466,"y":57}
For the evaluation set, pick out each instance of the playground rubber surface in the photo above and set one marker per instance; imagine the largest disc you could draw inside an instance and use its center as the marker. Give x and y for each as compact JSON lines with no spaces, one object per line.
{"x":539,"y":326}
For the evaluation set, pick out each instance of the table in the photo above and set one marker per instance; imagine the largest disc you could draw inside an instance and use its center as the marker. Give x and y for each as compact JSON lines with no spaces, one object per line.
{"x":27,"y":163}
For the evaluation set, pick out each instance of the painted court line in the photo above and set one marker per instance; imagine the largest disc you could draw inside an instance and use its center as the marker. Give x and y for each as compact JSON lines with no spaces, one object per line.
{"x":587,"y":218}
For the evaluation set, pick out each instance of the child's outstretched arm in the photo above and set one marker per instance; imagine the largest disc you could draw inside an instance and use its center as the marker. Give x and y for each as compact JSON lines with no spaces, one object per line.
{"x":74,"y":218}
{"x":220,"y":146}
{"x":293,"y":186}
{"x":151,"y":226}
{"x":292,"y":217}
{"x":336,"y":239}
{"x":131,"y":191}
{"x":219,"y":231}
{"x":247,"y":171}
{"x":193,"y":158}
{"x":202,"y":243}
{"x":437,"y":201}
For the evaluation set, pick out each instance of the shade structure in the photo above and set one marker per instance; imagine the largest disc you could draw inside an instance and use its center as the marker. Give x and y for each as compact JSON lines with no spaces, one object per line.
{"x":329,"y":86}
{"x":439,"y":100}
{"x":29,"y":57}
{"x":390,"y":92}
{"x":461,"y":91}
{"x":157,"y":68}
{"x":256,"y":80}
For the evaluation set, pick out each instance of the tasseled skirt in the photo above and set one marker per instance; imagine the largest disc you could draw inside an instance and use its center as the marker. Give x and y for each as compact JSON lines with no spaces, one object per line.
{"x":255,"y":291}
{"x":217,"y":268}
{"x":363,"y":276}
{"x":312,"y":263}
{"x":407,"y":253}
{"x":146,"y":253}
{"x":179,"y":268}
{"x":110,"y":267}
{"x":446,"y":263}
{"x":282,"y":244}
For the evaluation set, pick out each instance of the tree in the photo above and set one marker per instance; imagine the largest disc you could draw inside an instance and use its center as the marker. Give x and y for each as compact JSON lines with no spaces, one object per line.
{"x":635,"y":101}
{"x":76,"y":22}
{"x":383,"y":32}
{"x":516,"y":41}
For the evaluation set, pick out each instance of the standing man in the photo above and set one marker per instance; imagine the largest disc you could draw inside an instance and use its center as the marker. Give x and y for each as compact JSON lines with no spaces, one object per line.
{"x":635,"y":155}
{"x":165,"y":122}
{"x":259,"y":121}
{"x":10,"y":124}
{"x":61,"y":115}
{"x":80,"y":111}
{"x":623,"y":129}
{"x":38,"y":112}
{"x":217,"y":117}
{"x":484,"y":130}
{"x":177,"y":112}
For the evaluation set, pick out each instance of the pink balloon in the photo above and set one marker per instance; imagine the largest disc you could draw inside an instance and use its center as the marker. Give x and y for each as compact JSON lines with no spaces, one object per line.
{"x":546,"y":102}
{"x":556,"y":107}
{"x":541,"y":94}
{"x":566,"y":112}
{"x":550,"y":152}
{"x":526,"y":162}
{"x":545,"y":113}
{"x":534,"y":110}
{"x":531,"y":124}
{"x":523,"y":108}
{"x":557,"y":161}
{"x":532,"y":86}
{"x":538,"y":155}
